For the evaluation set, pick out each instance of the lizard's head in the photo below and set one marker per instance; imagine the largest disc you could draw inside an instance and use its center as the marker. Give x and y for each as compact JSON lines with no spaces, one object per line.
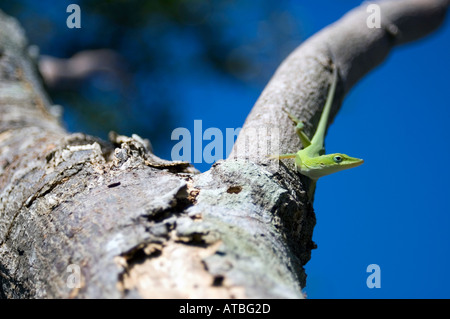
{"x":325,"y":164}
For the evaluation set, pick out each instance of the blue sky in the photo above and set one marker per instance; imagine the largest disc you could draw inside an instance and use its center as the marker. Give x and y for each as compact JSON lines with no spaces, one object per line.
{"x":392,"y":210}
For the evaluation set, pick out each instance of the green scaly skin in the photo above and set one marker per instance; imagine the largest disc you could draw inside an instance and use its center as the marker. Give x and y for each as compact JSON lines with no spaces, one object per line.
{"x":311,"y":160}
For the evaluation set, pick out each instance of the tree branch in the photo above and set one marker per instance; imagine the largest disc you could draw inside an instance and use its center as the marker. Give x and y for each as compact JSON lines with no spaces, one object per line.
{"x":138,"y":226}
{"x":301,"y":82}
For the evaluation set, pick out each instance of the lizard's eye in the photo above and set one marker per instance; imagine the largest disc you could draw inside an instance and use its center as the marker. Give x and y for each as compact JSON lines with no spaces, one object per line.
{"x":337,"y":159}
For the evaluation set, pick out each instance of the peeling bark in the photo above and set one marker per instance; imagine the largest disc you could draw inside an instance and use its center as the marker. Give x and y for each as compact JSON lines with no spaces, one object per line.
{"x":142,"y":227}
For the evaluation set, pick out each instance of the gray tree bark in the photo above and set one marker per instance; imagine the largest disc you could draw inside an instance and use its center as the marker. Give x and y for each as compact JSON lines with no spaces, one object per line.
{"x":137,"y":226}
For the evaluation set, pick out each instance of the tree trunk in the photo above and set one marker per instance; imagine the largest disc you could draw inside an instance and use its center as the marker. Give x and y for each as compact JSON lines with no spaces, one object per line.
{"x":85,"y":218}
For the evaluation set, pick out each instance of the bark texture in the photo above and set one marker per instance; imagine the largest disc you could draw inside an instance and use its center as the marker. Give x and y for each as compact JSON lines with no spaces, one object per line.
{"x":138,"y":226}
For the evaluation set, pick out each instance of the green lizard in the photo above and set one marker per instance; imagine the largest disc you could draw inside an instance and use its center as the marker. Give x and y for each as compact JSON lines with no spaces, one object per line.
{"x":312,"y":161}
